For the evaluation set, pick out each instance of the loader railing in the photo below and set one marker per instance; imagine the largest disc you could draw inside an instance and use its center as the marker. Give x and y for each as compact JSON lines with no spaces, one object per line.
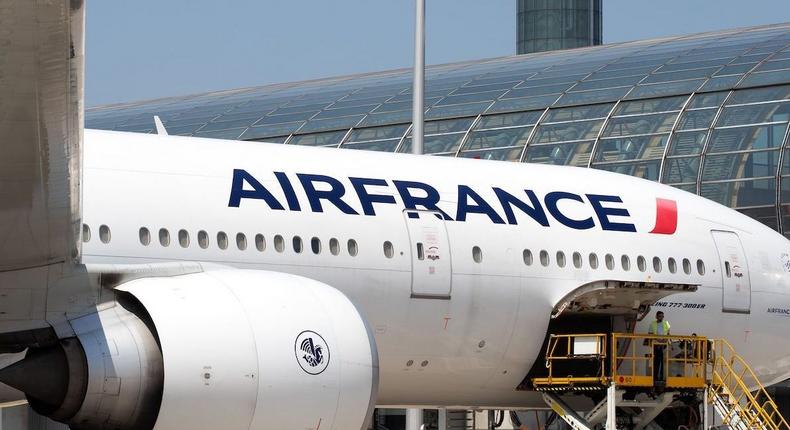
{"x":738,"y":395}
{"x":642,"y":360}
{"x":576,"y":362}
{"x":567,"y":354}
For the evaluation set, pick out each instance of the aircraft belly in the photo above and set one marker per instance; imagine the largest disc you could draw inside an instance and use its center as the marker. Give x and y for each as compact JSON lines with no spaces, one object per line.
{"x":475,"y":347}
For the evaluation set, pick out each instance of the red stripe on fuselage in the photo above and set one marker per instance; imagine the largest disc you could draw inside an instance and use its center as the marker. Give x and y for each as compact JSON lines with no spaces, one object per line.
{"x":666,"y":217}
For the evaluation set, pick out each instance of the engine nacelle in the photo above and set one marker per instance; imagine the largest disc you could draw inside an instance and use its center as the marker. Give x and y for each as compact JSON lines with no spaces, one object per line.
{"x":230,"y":349}
{"x":247,"y":349}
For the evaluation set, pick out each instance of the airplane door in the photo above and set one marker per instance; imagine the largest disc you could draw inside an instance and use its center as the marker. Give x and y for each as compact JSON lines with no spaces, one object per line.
{"x":431,"y":271}
{"x":736,"y":286}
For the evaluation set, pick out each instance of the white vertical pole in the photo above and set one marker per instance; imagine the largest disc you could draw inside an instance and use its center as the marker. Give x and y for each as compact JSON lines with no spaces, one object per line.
{"x":419,"y":78}
{"x":414,"y":415}
{"x":611,"y":407}
{"x":413,"y":419}
{"x":442,"y":418}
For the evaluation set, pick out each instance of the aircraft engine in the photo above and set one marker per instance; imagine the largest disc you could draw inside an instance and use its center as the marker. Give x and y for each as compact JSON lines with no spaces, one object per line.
{"x":223,"y":349}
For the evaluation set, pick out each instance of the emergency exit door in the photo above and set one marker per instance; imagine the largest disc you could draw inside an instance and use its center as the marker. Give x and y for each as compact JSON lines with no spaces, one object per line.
{"x":431,"y":270}
{"x":736,"y":286}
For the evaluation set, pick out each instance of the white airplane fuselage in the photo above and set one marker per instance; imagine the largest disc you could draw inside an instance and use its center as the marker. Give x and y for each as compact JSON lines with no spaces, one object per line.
{"x":462,"y":321}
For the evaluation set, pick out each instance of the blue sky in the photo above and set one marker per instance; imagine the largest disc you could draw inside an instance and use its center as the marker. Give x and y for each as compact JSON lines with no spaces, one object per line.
{"x":147,"y":49}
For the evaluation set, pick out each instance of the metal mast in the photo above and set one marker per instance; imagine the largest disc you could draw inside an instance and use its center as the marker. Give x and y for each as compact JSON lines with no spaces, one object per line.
{"x":419,"y":78}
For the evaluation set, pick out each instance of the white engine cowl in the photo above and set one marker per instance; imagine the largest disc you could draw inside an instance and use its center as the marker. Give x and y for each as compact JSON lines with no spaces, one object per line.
{"x":239,"y":350}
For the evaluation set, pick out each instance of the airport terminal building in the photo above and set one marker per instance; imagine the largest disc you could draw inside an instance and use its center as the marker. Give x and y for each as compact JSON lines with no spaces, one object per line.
{"x":707,"y":113}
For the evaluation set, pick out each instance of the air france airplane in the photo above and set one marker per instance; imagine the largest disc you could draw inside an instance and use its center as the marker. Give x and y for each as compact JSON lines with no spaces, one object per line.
{"x":153,"y":281}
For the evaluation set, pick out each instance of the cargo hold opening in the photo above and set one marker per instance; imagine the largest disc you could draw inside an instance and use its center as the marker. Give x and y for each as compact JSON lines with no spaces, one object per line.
{"x":604,"y":307}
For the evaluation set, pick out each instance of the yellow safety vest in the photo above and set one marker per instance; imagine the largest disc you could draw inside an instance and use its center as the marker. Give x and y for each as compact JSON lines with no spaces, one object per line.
{"x":664,"y":326}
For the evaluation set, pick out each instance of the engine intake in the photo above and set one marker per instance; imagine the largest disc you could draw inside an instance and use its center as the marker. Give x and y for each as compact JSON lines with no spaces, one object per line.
{"x":109,"y":376}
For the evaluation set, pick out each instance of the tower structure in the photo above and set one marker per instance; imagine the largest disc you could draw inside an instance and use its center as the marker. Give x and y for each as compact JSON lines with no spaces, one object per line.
{"x":549,"y":25}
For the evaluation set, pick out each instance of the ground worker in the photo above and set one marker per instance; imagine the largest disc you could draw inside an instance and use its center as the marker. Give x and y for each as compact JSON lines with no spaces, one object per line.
{"x":659,"y":327}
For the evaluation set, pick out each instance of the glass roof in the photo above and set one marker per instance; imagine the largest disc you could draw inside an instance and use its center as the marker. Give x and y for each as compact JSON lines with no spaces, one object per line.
{"x":707,"y":113}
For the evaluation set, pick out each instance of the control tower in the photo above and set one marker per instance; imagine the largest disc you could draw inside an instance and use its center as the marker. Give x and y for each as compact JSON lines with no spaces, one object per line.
{"x":549,"y":25}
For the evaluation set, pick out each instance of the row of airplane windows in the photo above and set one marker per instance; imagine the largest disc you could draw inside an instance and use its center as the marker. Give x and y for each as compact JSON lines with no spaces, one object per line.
{"x":609,"y":261}
{"x":577,"y":259}
{"x":222,"y":241}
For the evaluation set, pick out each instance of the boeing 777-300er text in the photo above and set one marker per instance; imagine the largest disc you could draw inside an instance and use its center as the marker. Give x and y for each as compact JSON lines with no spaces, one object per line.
{"x":240,"y":285}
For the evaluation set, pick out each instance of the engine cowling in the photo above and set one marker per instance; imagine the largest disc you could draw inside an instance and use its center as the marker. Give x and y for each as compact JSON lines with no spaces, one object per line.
{"x":230,"y":349}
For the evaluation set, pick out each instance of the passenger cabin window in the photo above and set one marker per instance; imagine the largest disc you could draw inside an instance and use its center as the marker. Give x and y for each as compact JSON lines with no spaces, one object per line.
{"x":700,"y":267}
{"x":353,"y":249}
{"x":625,"y":262}
{"x":477,"y":254}
{"x":104,"y":234}
{"x":296,"y":242}
{"x":527,"y":255}
{"x":686,"y":266}
{"x":222,"y":240}
{"x":145,"y":236}
{"x":183,"y":238}
{"x":164,"y":237}
{"x":544,"y":258}
{"x":334,"y":246}
{"x":86,"y":233}
{"x":609,"y":261}
{"x":260,"y":242}
{"x":203,"y":241}
{"x":672,"y":265}
{"x":279,"y":243}
{"x":577,"y":260}
{"x":315,"y":245}
{"x":593,"y":260}
{"x":389,"y":251}
{"x":560,"y":259}
{"x":641,"y":263}
{"x":241,"y":241}
{"x":656,"y":264}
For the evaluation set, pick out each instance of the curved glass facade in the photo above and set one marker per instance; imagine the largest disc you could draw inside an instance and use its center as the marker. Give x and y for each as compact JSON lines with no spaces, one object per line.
{"x":706,"y":113}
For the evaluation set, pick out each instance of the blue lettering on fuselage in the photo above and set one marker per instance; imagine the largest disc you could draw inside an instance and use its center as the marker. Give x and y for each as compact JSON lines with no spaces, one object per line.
{"x":552,"y":200}
{"x":479,"y":206}
{"x":604,"y":213}
{"x":333,"y":195}
{"x":427,"y":202}
{"x":533,"y":210}
{"x":366,"y":198}
{"x":325,"y":193}
{"x":258,"y":191}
